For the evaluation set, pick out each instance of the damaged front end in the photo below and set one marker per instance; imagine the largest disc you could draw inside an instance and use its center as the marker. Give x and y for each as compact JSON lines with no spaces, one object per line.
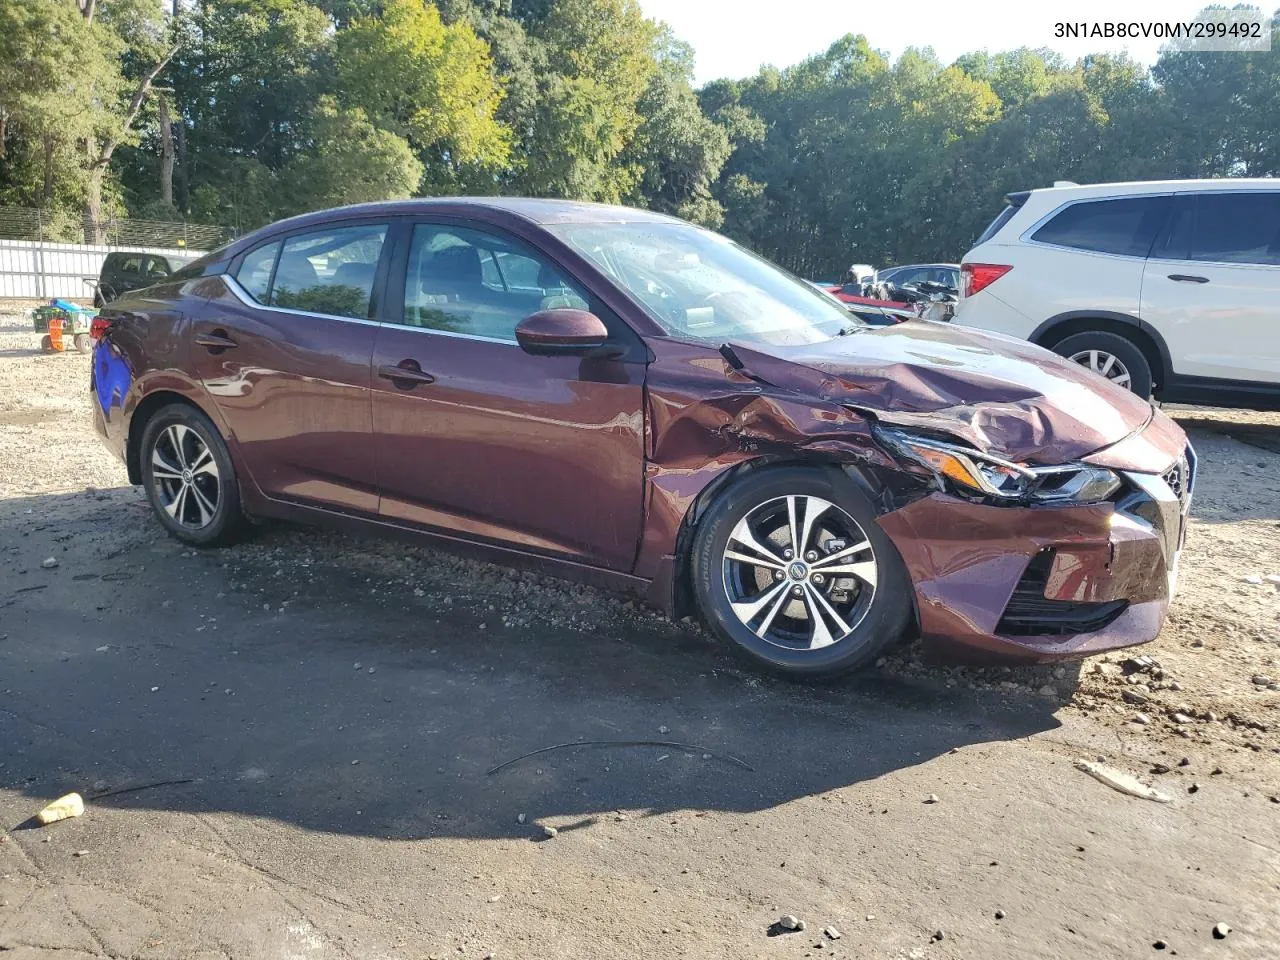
{"x":1027,"y":532}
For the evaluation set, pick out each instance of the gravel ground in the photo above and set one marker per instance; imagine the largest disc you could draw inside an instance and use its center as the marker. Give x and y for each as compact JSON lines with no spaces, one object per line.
{"x":336,"y":703}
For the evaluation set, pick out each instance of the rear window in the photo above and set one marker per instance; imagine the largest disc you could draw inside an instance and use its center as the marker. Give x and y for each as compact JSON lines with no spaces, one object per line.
{"x":1125,"y":226}
{"x":1003,"y":217}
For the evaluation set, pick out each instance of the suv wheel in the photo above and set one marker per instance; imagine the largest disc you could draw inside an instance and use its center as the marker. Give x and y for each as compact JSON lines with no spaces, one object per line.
{"x":1110,"y":355}
{"x":793,"y":571}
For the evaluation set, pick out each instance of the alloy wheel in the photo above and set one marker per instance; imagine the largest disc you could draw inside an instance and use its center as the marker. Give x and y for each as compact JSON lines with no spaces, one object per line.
{"x":800,"y":572}
{"x":1104,"y":363}
{"x":186,"y":476}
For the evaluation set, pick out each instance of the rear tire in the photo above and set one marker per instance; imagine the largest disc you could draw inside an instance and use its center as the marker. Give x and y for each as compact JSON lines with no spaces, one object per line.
{"x":83,"y":343}
{"x":755,"y":597}
{"x":189,"y":478}
{"x":1123,"y":362}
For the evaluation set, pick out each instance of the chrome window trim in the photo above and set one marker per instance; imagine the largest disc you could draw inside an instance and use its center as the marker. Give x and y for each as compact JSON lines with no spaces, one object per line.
{"x":244,"y":297}
{"x":399,"y":325}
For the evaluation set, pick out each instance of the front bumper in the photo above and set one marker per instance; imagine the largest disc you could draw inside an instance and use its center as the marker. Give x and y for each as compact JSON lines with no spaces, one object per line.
{"x":1042,"y":583}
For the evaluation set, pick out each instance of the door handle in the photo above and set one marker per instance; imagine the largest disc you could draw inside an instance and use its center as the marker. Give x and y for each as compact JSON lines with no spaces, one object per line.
{"x":218,"y":340}
{"x":1188,"y":278}
{"x":407,"y":374}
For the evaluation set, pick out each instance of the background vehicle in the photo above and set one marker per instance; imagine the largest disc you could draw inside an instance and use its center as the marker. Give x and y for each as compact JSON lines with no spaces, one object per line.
{"x":618,"y":396}
{"x":947,"y":274}
{"x":874,"y":312}
{"x":1168,"y":288}
{"x":124,"y":271}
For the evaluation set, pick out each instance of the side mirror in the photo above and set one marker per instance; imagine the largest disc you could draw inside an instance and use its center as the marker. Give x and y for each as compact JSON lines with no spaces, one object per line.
{"x":563,"y":330}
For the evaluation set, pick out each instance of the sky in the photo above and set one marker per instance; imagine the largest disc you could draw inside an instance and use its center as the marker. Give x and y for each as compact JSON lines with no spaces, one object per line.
{"x":733,"y":38}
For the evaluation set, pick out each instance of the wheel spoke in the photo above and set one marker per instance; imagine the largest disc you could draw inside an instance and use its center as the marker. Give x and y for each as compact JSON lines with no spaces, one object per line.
{"x":1122,"y":380}
{"x":204,"y":464}
{"x":176,"y":508}
{"x":796,"y":547}
{"x":819,"y":633}
{"x":743,"y":535}
{"x":814,"y":507}
{"x":162,"y":468}
{"x":864,"y":571}
{"x":1106,"y":367}
{"x":1093,"y":360}
{"x":821,"y":636}
{"x":773,"y":611}
{"x":747,"y":610}
{"x":824,"y":563}
{"x":177,"y":435}
{"x":204,"y":504}
{"x":754,"y":561}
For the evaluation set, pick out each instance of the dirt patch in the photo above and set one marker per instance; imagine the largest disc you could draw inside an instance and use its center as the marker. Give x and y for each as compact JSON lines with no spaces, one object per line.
{"x":320,"y":714}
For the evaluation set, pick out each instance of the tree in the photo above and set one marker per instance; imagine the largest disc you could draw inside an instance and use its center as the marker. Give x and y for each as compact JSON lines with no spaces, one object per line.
{"x":349,"y":161}
{"x":428,"y":82}
{"x":597,"y":63}
{"x":679,"y":150}
{"x":46,"y":110}
{"x":138,"y":28}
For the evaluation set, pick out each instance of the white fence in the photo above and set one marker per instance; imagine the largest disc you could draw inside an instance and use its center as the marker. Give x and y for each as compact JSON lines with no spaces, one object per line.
{"x":35,"y":270}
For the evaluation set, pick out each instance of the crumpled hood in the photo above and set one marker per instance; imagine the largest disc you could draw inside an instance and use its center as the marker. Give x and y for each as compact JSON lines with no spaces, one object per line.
{"x":1005,"y":396}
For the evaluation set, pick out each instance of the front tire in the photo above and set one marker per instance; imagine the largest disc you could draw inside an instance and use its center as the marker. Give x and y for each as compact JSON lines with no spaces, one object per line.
{"x":1110,"y":355}
{"x":189,"y":478}
{"x":791,"y":569}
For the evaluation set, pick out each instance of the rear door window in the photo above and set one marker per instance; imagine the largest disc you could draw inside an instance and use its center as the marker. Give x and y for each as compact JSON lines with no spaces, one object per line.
{"x":1236,"y":228}
{"x":254,"y":274}
{"x":329,"y":271}
{"x":1125,"y":226}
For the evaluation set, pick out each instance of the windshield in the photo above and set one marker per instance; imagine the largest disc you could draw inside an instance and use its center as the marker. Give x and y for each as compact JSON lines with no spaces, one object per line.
{"x":695,"y":283}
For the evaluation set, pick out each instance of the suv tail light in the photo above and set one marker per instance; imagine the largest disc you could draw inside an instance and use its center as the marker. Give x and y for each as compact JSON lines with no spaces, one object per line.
{"x":98,"y":328}
{"x":977,"y":276}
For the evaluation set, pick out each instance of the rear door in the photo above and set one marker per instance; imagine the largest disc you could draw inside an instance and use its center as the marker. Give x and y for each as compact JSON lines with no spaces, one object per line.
{"x":1212,"y":286}
{"x":284,"y":353}
{"x":479,"y":438}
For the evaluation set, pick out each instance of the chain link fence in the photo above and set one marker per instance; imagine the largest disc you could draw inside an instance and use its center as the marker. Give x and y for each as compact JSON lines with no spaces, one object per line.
{"x":31,"y":223}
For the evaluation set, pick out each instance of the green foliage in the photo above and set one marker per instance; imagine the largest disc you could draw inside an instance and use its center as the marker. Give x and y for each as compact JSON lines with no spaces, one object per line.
{"x":279,"y":106}
{"x":349,"y":161}
{"x":427,"y":82}
{"x":595,"y":59}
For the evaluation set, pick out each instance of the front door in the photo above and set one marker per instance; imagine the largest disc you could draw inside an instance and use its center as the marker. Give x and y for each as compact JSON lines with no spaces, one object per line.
{"x":284,"y":353}
{"x":1212,"y":286}
{"x":477,"y":437}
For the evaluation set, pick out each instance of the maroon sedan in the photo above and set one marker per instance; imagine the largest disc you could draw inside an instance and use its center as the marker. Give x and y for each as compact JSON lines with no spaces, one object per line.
{"x":621,"y":397}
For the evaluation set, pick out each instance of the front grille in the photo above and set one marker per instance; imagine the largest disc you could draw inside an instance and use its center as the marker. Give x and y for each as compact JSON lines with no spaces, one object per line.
{"x":1029,"y":613}
{"x":1176,"y":478}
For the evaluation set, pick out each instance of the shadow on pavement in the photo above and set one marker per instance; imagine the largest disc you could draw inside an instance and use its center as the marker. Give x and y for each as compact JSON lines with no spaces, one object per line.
{"x":367,"y":688}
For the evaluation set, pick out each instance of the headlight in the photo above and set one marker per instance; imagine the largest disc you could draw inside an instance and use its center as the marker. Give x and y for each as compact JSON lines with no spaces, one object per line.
{"x":977,"y":472}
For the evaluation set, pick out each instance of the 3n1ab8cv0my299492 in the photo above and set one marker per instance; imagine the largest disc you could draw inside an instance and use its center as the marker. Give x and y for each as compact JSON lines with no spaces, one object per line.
{"x":618,"y":396}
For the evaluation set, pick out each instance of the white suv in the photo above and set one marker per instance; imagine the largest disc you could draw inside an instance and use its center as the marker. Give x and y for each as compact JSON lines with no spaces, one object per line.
{"x":1169,"y":288}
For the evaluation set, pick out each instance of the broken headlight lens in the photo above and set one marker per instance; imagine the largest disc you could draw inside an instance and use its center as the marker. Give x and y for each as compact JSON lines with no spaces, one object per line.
{"x":976,"y":472}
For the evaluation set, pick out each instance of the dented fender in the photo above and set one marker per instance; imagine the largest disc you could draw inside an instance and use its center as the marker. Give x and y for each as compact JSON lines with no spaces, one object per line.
{"x":703,"y":419}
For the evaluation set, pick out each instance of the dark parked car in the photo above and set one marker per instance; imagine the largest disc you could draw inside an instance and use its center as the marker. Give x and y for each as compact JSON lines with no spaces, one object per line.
{"x":885,"y":282}
{"x":618,"y":396}
{"x":124,"y":271}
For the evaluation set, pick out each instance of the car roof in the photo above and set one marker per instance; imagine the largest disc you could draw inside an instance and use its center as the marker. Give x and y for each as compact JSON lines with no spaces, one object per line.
{"x":534,"y":209}
{"x":1134,"y":187}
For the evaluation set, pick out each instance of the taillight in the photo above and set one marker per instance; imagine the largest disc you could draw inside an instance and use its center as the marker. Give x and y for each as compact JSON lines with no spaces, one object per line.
{"x":978,"y":276}
{"x":98,"y":328}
